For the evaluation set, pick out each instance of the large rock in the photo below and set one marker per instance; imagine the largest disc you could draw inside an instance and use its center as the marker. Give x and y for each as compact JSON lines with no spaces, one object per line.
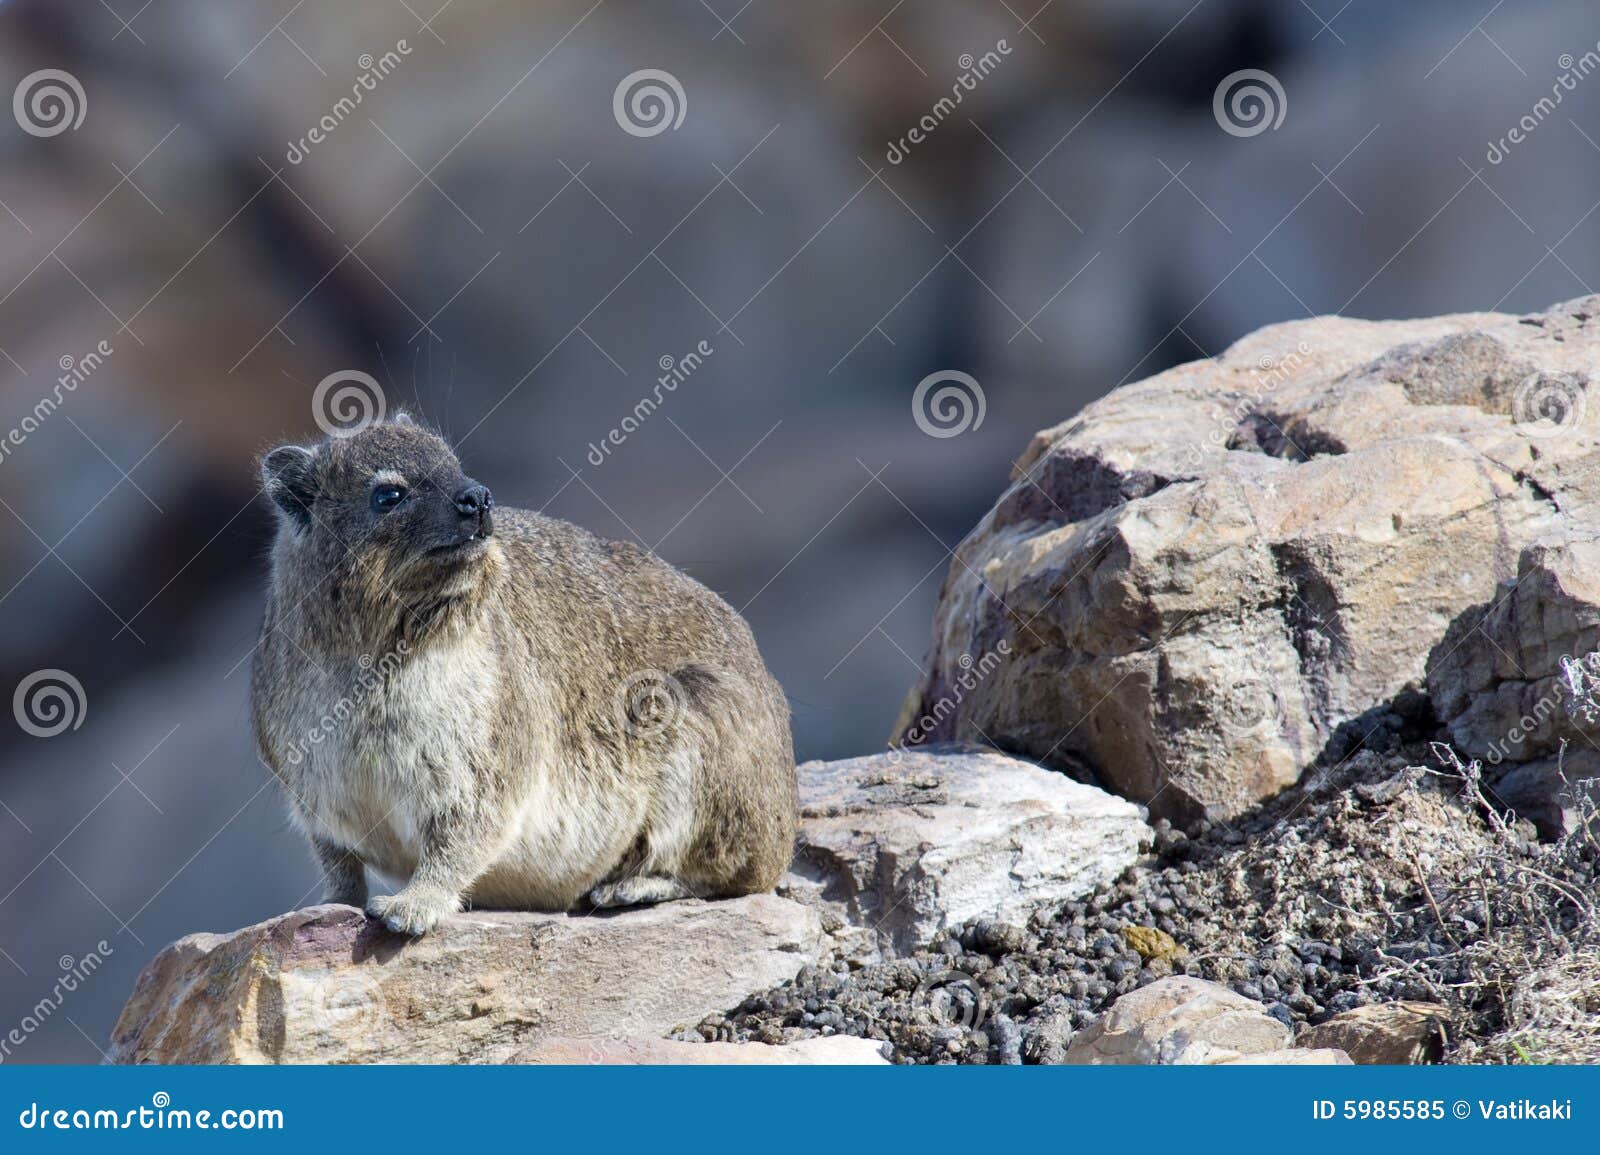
{"x":1180,"y":1020}
{"x":897,"y":847}
{"x":329,"y":985}
{"x":1191,"y":585}
{"x":1514,"y":681}
{"x":1393,"y":1034}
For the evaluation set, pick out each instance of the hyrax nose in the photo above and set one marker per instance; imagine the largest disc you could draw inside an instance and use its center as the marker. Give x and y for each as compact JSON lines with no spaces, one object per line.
{"x":475,"y":501}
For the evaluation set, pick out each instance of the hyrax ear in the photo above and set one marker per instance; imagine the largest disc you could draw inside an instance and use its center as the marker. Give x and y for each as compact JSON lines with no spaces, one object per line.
{"x":289,"y":477}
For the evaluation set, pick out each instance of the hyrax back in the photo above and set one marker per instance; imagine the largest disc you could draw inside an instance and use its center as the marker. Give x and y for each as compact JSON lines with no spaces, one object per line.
{"x":502,"y":707}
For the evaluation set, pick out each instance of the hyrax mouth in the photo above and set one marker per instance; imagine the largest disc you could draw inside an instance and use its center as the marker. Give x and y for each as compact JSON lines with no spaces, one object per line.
{"x":467,"y":547}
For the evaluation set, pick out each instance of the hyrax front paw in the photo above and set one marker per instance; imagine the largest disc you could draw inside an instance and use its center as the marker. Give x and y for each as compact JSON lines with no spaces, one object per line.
{"x":410,"y":912}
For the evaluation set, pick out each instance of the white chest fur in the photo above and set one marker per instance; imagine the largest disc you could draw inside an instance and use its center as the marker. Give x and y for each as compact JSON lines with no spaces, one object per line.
{"x":377,"y":744}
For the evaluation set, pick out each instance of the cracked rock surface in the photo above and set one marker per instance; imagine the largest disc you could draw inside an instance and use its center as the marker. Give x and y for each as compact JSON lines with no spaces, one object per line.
{"x":896,"y":848}
{"x":1191,"y":585}
{"x":328,"y":985}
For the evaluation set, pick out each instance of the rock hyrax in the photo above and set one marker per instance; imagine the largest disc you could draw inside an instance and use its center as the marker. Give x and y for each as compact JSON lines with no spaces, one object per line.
{"x":500,"y":707}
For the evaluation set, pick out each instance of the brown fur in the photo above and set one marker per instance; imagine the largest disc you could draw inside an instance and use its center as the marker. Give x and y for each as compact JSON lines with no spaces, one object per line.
{"x":529,"y":717}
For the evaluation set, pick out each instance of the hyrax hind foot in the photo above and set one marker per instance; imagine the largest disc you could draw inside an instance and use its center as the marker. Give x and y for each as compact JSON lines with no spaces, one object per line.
{"x":412,"y":912}
{"x":638,"y":891}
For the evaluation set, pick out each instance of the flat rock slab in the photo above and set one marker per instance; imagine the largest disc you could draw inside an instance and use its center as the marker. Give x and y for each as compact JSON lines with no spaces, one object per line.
{"x":328,"y":985}
{"x":897,"y":847}
{"x":834,"y":1050}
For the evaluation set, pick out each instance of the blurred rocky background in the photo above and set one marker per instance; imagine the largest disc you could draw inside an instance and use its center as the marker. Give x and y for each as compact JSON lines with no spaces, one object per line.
{"x":483,"y":237}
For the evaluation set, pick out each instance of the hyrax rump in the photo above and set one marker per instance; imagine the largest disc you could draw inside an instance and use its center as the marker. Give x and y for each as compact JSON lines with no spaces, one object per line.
{"x":500,"y":707}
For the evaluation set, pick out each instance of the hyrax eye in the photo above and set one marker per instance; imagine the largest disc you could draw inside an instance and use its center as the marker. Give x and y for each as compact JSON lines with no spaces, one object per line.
{"x":386,"y":497}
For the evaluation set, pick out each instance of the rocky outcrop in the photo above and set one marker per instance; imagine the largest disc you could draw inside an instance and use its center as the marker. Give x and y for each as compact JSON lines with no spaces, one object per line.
{"x":1190,"y":586}
{"x":1189,"y":1021}
{"x":1514,"y":681}
{"x":1391,"y":1034}
{"x":895,"y":848}
{"x":328,"y":985}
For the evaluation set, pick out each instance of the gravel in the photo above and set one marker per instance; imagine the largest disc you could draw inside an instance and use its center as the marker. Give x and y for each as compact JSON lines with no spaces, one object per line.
{"x":1382,"y":879}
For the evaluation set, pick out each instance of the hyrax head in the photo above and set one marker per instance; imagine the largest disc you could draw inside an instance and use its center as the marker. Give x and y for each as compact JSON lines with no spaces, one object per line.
{"x":389,"y":503}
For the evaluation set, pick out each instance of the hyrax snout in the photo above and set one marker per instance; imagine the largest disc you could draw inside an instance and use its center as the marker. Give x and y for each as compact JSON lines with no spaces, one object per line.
{"x":501,"y":708}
